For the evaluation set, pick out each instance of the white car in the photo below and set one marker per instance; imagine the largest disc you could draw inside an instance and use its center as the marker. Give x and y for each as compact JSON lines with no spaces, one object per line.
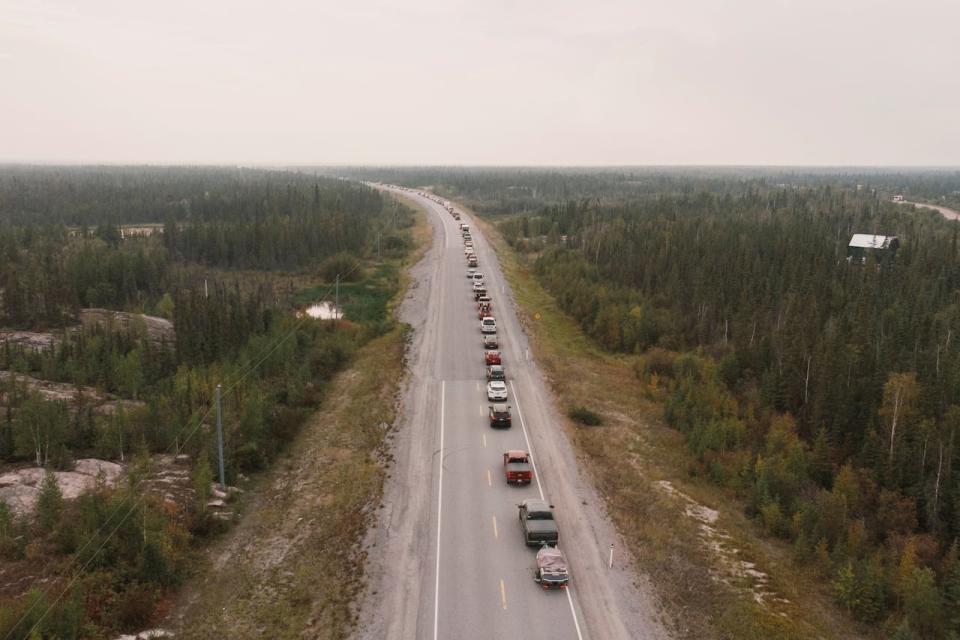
{"x":496,"y":390}
{"x":478,"y":277}
{"x":488,"y":325}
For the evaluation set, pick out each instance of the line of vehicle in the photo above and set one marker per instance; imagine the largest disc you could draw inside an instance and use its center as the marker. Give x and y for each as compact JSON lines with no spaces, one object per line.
{"x":503,"y":596}
{"x":436,"y":589}
{"x":536,"y":475}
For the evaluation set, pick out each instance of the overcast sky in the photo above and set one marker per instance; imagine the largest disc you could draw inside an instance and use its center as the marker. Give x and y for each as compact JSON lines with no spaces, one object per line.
{"x":873,"y":82}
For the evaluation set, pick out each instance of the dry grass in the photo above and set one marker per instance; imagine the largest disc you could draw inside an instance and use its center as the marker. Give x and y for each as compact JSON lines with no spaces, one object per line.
{"x":629,"y":454}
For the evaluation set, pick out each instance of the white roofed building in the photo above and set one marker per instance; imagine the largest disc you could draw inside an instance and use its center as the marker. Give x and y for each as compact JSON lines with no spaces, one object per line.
{"x":862,"y":244}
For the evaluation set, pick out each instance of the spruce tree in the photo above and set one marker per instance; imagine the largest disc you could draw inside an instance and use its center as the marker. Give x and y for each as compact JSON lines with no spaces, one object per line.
{"x":49,"y":503}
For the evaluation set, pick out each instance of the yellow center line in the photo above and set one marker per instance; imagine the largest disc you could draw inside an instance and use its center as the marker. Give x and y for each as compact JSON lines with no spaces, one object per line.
{"x":503,"y":594}
{"x":495,"y":534}
{"x":489,"y":478}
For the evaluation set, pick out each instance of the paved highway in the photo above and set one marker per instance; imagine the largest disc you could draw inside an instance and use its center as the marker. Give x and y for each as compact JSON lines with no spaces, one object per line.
{"x":452,"y":561}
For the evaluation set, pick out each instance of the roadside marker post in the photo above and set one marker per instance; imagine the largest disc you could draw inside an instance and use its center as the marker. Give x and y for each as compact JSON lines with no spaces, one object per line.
{"x":610,"y":564}
{"x":223,"y":484}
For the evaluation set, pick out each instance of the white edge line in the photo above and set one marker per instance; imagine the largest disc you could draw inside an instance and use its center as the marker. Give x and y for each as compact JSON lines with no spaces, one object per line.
{"x":576,"y":623}
{"x":523,"y":426}
{"x":436,"y":589}
{"x":536,"y":475}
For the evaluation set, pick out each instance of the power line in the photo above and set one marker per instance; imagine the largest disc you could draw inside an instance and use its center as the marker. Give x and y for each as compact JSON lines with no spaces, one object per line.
{"x":178,"y":448}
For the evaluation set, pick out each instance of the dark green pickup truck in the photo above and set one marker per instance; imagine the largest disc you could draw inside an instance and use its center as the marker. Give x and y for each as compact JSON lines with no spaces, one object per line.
{"x":539,"y":527}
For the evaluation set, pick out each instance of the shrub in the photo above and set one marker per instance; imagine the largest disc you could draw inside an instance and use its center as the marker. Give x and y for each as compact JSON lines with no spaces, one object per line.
{"x":585,"y":416}
{"x":345,"y":264}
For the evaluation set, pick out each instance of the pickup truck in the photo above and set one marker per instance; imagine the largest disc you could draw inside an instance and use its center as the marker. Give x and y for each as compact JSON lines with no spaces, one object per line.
{"x":500,"y":416}
{"x":536,"y":520}
{"x":516,"y":467}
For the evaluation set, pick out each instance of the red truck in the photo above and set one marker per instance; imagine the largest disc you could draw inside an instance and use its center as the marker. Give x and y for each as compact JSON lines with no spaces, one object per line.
{"x":516,"y":467}
{"x":492,"y":356}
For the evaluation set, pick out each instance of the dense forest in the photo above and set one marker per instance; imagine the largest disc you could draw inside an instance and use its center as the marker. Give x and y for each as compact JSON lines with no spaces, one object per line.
{"x":525,"y":189}
{"x":825,"y":391}
{"x":64,"y":247}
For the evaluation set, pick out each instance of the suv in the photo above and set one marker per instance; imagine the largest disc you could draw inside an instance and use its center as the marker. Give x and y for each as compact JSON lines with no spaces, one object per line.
{"x":500,"y":416}
{"x":496,"y":390}
{"x":488,"y":325}
{"x":491,"y":342}
{"x":496,"y":372}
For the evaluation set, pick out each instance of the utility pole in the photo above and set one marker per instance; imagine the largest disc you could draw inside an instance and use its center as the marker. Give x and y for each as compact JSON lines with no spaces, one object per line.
{"x":378,"y":245}
{"x":336,"y":304}
{"x":223,"y":484}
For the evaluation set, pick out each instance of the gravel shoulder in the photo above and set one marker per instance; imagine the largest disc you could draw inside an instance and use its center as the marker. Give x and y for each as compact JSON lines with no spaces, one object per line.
{"x":612,"y":603}
{"x":398,"y":544}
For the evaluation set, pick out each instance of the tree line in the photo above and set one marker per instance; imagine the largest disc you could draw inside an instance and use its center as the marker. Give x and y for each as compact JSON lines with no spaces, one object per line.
{"x":826,"y":392}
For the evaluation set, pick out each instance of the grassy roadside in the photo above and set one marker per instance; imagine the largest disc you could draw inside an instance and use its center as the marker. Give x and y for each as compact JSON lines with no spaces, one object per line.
{"x":294,"y":565}
{"x":701,"y":554}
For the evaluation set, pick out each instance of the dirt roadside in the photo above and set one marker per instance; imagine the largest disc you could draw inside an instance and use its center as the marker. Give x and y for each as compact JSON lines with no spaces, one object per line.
{"x":293,"y":567}
{"x":399,"y":540}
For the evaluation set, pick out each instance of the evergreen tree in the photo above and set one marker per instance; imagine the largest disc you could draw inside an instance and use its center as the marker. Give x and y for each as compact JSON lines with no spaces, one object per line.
{"x":49,"y":504}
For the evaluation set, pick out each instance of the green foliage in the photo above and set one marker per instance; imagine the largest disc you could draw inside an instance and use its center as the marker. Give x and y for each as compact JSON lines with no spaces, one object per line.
{"x":343,"y":264}
{"x":49,"y":503}
{"x":585,"y":416}
{"x":922,"y":603}
{"x":40,"y":432}
{"x":164,"y":306}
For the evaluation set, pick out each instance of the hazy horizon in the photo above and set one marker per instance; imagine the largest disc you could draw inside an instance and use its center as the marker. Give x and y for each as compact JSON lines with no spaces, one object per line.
{"x":768,"y":84}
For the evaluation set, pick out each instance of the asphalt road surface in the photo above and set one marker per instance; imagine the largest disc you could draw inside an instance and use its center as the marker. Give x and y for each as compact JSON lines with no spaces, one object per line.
{"x":449,"y":560}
